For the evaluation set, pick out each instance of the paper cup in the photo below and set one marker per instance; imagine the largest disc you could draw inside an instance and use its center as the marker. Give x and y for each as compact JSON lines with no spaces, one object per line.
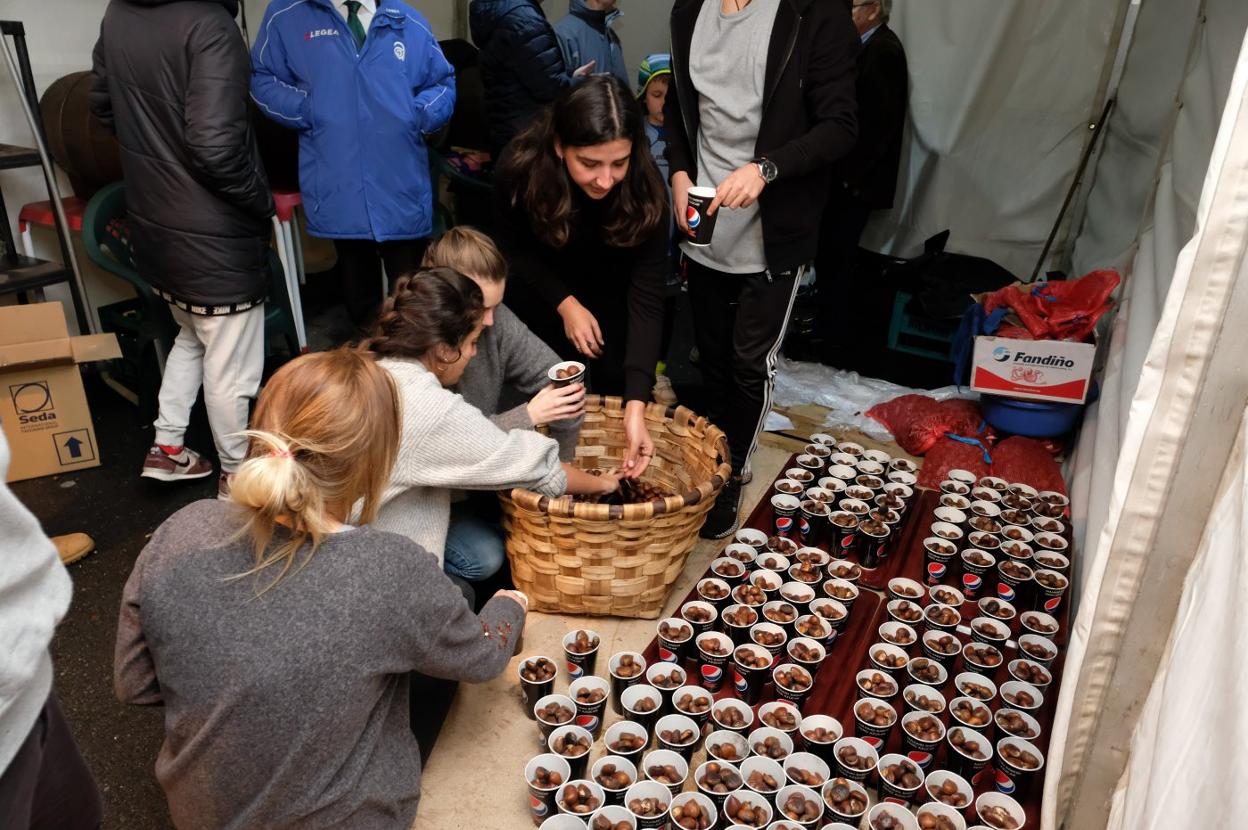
{"x":1052,"y":561}
{"x":867,"y":687}
{"x":848,"y":571}
{"x":578,"y":763}
{"x":896,"y":791}
{"x":943,"y":784}
{"x":975,"y":685}
{"x":851,"y":448}
{"x":998,"y":609}
{"x":788,"y":487}
{"x":949,"y":486}
{"x":921,"y":750}
{"x":983,"y":541}
{"x":562,"y":821}
{"x":737,"y":620}
{"x":743,"y":797}
{"x":1047,"y":590}
{"x":792,"y":713}
{"x":920,"y":697}
{"x":971,"y":713}
{"x":1000,"y":801}
{"x":1046,"y":524}
{"x":546,"y":727}
{"x":799,"y":595}
{"x":1016,"y":723}
{"x":768,"y":581}
{"x":701,"y":224}
{"x":712,"y":778}
{"x":946,"y":595}
{"x":579,"y":665}
{"x":714,"y":591}
{"x":982,"y":493}
{"x":589,"y":716}
{"x":813,"y":463}
{"x":904,"y":611}
{"x":975,"y":563}
{"x":676,"y":644}
{"x":728,"y":747}
{"x":665,"y":758}
{"x":935,"y":810}
{"x":714,"y":652}
{"x":613,"y":794}
{"x":1038,"y":649}
{"x":722,"y":715}
{"x":874,"y":732}
{"x":937,"y":554}
{"x":968,"y":751}
{"x":769,"y":773}
{"x":821,"y":743}
{"x":772,"y":631}
{"x":941,"y":647}
{"x":902,"y":588}
{"x":531,"y":692}
{"x":785,"y":510}
{"x":859,"y":763}
{"x":902,"y":477}
{"x":898,"y":633}
{"x":842,"y":534}
{"x":648,"y":790}
{"x":812,"y":518}
{"x":939,"y":617}
{"x":1012,"y":580}
{"x":823,"y":438}
{"x":874,"y":540}
{"x":794,"y":797}
{"x":1022,"y":696}
{"x":633,"y":696}
{"x":694,"y":806}
{"x":542,"y":799}
{"x":888,"y":658}
{"x":618,"y":682}
{"x":595,"y":792}
{"x":615,"y":813}
{"x":1039,"y":623}
{"x":753,"y":537}
{"x":990,"y":631}
{"x":757,"y":739}
{"x":1029,"y":671}
{"x":838,"y":808}
{"x":729,"y":570}
{"x":807,"y":652}
{"x":902,"y":818}
{"x":745,"y":554}
{"x":800,"y":474}
{"x":688,"y":699}
{"x":984,"y":658}
{"x":927,"y":671}
{"x":666,"y":677}
{"x":552,"y":374}
{"x":748,"y":680}
{"x":800,"y":691}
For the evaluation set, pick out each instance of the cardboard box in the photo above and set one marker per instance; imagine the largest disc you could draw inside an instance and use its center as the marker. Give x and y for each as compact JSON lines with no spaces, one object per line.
{"x":1041,"y":370}
{"x":43,"y":408}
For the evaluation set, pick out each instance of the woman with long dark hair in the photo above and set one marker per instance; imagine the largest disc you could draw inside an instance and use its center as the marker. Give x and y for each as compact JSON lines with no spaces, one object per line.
{"x":583,"y":223}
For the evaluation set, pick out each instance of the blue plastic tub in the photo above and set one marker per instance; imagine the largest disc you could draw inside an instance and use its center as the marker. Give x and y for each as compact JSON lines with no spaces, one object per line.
{"x":1035,"y":419}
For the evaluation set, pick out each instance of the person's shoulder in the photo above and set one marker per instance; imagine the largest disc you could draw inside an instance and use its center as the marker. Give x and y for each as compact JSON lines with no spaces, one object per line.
{"x":391,"y":552}
{"x":276,"y":11}
{"x":200,"y":525}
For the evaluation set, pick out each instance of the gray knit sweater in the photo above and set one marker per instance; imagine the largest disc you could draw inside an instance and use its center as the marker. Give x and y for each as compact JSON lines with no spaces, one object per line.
{"x":449,"y":444}
{"x":290,"y":710}
{"x":510,"y":355}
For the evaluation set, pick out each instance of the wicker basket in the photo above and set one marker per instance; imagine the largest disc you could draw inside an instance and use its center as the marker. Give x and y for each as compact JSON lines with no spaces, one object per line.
{"x":617,"y":560}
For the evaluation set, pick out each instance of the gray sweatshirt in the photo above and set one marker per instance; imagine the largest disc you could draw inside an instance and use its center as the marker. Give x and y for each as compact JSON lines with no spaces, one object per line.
{"x":290,"y":710}
{"x":509,"y":354}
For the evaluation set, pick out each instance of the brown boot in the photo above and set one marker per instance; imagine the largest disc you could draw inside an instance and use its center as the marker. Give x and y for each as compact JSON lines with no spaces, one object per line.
{"x":73,"y":546}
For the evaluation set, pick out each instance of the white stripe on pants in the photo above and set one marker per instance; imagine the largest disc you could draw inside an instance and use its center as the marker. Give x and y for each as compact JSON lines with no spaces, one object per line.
{"x":226,"y":354}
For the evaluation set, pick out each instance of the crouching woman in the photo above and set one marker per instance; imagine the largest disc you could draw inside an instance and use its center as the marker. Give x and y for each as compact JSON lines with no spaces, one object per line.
{"x":279,"y":638}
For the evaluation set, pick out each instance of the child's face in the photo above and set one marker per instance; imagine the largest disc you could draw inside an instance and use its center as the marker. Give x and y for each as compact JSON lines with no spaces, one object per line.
{"x":656,"y":94}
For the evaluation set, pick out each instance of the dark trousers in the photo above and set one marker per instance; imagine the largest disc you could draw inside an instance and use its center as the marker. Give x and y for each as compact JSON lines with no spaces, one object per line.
{"x":841,"y":228}
{"x":739,"y":322}
{"x":359,"y":268}
{"x":47,"y":786}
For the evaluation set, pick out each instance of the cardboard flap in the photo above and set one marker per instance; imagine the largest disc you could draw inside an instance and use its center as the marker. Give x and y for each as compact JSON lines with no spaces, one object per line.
{"x":36,"y":352}
{"x":27,"y":323}
{"x":94,"y":347}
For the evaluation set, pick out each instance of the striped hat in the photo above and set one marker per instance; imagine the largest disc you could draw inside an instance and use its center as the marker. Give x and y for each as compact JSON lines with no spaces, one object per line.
{"x":659,"y":63}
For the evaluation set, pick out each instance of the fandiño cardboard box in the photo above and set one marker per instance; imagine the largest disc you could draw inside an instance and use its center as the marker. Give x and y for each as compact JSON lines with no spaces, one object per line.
{"x":1042,"y":370}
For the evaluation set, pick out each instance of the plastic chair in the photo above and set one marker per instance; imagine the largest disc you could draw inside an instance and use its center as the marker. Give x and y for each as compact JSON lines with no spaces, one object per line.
{"x":106,"y":236}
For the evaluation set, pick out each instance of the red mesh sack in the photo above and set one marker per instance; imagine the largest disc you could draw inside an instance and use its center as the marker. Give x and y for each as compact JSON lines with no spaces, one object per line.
{"x":911,"y":419}
{"x":1027,"y":461}
{"x":947,"y":454}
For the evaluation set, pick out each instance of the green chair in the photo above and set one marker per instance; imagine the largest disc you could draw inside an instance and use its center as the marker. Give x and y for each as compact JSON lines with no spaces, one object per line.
{"x":106,"y":236}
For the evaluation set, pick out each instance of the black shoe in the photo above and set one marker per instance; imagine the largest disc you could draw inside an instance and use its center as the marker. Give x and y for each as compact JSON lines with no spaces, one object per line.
{"x":721,"y":520}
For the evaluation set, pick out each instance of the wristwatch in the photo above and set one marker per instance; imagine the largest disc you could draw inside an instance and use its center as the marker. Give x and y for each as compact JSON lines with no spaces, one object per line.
{"x":767,"y":169}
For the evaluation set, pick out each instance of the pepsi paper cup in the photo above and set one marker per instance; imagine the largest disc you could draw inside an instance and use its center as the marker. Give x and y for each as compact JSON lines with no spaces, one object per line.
{"x":1048,"y":590}
{"x":688,"y":699}
{"x":748,"y":680}
{"x":649,"y":791}
{"x":937,"y":554}
{"x":842,"y":534}
{"x":820,"y":733}
{"x":801,"y":681}
{"x":951,"y":786}
{"x":580,"y":664}
{"x":785,"y":508}
{"x":837,"y":793}
{"x":813,"y":463}
{"x":664,"y":758}
{"x":701,"y":226}
{"x":542,"y":799}
{"x":544,"y":726}
{"x":776,"y":706}
{"x":975,"y":563}
{"x":673,"y":648}
{"x":968,"y":751}
{"x":614,"y":795}
{"x":737,"y":621}
{"x":666,"y":678}
{"x":919,"y":749}
{"x":844,"y":570}
{"x":578,"y":763}
{"x":768,"y":582}
{"x":811,"y":522}
{"x":854,"y":758}
{"x":673,"y":725}
{"x":999,"y":801}
{"x":589,"y":716}
{"x":927,"y":671}
{"x":867,"y":687}
{"x":639,"y":740}
{"x":873,"y":537}
{"x":533,"y":691}
{"x":618,"y":682}
{"x":896,"y":791}
{"x":874,"y":732}
{"x":595,"y":792}
{"x":743,"y":553}
{"x":714,"y":651}
{"x":1012,"y":578}
{"x":632,"y":697}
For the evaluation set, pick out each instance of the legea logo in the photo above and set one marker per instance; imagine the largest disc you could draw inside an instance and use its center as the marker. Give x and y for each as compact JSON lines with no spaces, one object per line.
{"x":1000,"y":354}
{"x":319,"y":33}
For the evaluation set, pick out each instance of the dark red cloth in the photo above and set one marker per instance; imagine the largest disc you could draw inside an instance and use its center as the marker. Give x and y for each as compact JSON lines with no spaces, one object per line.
{"x":947,"y":454}
{"x":1028,"y":461}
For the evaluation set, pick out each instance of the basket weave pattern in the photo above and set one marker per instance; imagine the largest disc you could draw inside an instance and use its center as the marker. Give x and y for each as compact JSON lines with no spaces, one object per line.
{"x":617,"y":560}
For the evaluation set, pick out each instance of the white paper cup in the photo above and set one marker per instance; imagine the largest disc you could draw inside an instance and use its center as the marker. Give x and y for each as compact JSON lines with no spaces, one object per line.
{"x":765,"y":767}
{"x":936,"y":809}
{"x":727,"y":747}
{"x":902,"y":817}
{"x":816,"y":769}
{"x":663,"y":758}
{"x":649,"y":790}
{"x":595,"y":791}
{"x":993,"y":799}
{"x":812,"y":806}
{"x":865,"y":753}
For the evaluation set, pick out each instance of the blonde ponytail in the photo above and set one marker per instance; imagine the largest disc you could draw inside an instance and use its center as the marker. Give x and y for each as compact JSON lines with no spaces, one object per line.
{"x":326,"y":432}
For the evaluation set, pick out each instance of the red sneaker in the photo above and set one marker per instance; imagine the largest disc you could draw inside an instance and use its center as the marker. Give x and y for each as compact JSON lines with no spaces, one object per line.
{"x":186,"y":465}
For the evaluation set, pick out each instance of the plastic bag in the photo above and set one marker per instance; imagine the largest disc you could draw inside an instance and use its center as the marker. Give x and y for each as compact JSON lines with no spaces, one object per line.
{"x":1064,"y":310}
{"x":947,"y":454}
{"x":1026,"y":460}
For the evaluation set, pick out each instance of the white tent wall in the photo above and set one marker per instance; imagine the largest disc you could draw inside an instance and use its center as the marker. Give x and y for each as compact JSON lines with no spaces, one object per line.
{"x":1157,"y":442}
{"x":1001,"y":96}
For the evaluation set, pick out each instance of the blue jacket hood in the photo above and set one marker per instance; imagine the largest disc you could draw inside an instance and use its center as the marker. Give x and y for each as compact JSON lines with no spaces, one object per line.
{"x":598,"y":19}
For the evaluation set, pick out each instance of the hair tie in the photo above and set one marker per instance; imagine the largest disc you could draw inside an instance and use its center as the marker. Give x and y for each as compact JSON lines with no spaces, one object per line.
{"x":280,"y":454}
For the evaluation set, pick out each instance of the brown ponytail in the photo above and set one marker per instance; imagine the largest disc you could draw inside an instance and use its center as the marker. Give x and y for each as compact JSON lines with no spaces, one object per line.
{"x":427,"y":309}
{"x":325,"y":435}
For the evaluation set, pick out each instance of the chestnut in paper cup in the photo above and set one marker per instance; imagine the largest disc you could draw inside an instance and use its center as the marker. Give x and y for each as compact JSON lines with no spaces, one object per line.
{"x":715,"y":591}
{"x":902,"y":818}
{"x":635,"y":732}
{"x":1038,"y":649}
{"x":816,"y":449}
{"x":764,"y":766}
{"x":753,"y":537}
{"x":998,"y":609}
{"x":533,"y":690}
{"x":946,"y":595}
{"x":577,"y":763}
{"x":971,"y":713}
{"x":921,"y":751}
{"x":968,"y":751}
{"x":1053,"y":561}
{"x":834,"y":612}
{"x":794,"y":797}
{"x":714,"y":652}
{"x":580,"y":664}
{"x":837,"y":794}
{"x":902,"y":588}
{"x":566,"y":373}
{"x":975,"y":685}
{"x":954,"y":500}
{"x":866,"y":688}
{"x":788,"y":487}
{"x":720,"y":715}
{"x":989,"y":631}
{"x":761,"y":734}
{"x":676,"y":643}
{"x":851,"y":448}
{"x":615,"y":813}
{"x":698,"y":696}
{"x":809,"y":646}
{"x":589,"y":716}
{"x":619,"y":682}
{"x":801,"y":682}
{"x":1017,"y":724}
{"x":542,"y":799}
{"x":803,"y":767}
{"x":745,"y":554}
{"x":649,"y":790}
{"x":948,"y":788}
{"x":957,"y":487}
{"x":984,"y":658}
{"x":902,"y":477}
{"x":737,"y":621}
{"x":748,"y":680}
{"x":772,"y":561}
{"x":895,"y":791}
{"x":903,"y":610}
{"x":727,"y":747}
{"x":897,"y":633}
{"x":872,"y":729}
{"x":819,"y":742}
{"x":993,"y":801}
{"x":1029,"y":671}
{"x":544,"y":726}
{"x":1049,"y":587}
{"x":920,"y":697}
{"x":934,"y":811}
{"x":686,"y":802}
{"x":1047,"y":524}
{"x":632,"y":698}
{"x":863,"y":753}
{"x":823,"y":438}
{"x":982,"y":493}
{"x":758,"y":806}
{"x":677,"y":724}
{"x":937,"y":649}
{"x":664,"y":758}
{"x":950,"y":515}
{"x":595,"y":792}
{"x":896,"y":656}
{"x":1039,"y":623}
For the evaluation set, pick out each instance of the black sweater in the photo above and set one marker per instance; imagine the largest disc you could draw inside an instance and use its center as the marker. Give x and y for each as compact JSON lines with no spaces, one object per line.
{"x":808,"y":117}
{"x":622,"y":287}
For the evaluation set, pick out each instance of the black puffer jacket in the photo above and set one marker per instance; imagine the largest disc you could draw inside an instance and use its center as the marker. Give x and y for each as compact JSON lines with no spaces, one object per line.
{"x":171,"y":79}
{"x":521,"y":64}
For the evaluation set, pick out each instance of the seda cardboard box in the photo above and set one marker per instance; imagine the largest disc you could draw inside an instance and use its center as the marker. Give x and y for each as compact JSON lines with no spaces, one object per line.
{"x":43,"y":408}
{"x":1042,"y":370}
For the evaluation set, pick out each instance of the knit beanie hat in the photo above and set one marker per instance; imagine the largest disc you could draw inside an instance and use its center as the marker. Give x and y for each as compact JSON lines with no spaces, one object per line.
{"x":659,"y":63}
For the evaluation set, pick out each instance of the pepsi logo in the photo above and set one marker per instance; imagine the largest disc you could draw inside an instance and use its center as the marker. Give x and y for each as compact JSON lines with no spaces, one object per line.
{"x":712,"y":674}
{"x":936,"y":570}
{"x":538,"y":807}
{"x":575,"y":671}
{"x":846,"y":541}
{"x":739,"y":682}
{"x":972,"y":582}
{"x":587,"y":722}
{"x":923,"y":759}
{"x":666,"y":655}
{"x":1005,"y":784}
{"x":895,"y":800}
{"x":1051,"y":604}
{"x":693,"y":217}
{"x":1005,"y":592}
{"x":873,"y":742}
{"x":784,"y":524}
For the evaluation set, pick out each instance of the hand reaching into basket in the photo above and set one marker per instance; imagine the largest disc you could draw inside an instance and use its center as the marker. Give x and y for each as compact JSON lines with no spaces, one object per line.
{"x":597,"y":483}
{"x":640,"y":443}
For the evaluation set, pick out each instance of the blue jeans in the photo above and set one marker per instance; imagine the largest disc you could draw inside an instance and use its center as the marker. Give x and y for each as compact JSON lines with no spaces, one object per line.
{"x":474,"y":547}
